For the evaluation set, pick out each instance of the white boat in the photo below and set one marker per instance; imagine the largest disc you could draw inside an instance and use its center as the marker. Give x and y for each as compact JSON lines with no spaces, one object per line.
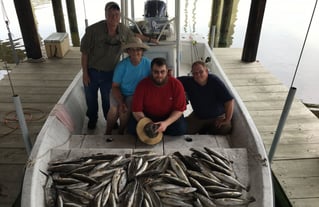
{"x":64,"y":135}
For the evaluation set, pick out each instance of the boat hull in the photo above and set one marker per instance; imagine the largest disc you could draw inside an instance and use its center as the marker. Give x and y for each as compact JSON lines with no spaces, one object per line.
{"x":64,"y":136}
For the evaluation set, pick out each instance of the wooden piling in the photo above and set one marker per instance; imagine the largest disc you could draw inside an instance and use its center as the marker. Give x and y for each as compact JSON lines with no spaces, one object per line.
{"x":253,"y":30}
{"x":58,"y":16}
{"x":215,"y":21}
{"x":73,"y":23}
{"x":28,"y":29}
{"x":227,"y":23}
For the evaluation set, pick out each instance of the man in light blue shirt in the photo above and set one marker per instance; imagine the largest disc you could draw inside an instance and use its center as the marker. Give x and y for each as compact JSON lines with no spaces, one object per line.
{"x":127,"y":75}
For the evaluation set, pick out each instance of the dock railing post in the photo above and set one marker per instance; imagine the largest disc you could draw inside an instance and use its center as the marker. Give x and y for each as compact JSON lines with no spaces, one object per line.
{"x":20,"y":115}
{"x":212,"y":37}
{"x":178,"y":37}
{"x":22,"y":123}
{"x":282,"y":120}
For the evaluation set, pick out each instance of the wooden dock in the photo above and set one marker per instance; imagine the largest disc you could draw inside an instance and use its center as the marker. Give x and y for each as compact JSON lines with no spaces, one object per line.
{"x":296,"y":161}
{"x":40,"y":85}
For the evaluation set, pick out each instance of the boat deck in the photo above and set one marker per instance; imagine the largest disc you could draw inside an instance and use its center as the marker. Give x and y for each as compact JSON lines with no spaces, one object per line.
{"x":86,"y":145}
{"x":133,"y":144}
{"x":40,"y":85}
{"x":79,"y":146}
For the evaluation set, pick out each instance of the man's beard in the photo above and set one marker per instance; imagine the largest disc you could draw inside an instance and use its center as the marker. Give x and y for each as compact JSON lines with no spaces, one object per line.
{"x":159,"y":83}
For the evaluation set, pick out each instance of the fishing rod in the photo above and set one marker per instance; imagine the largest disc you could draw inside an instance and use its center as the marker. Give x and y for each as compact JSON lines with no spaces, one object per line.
{"x":6,"y":20}
{"x":290,"y":97}
{"x":16,"y":98}
{"x":86,"y":20}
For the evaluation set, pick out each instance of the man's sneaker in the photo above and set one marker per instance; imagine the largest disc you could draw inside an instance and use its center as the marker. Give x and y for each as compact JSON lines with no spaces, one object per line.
{"x":92,"y":125}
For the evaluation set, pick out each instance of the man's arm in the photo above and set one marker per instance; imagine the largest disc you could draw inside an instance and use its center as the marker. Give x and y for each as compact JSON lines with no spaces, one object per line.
{"x":138,"y":115}
{"x":84,"y":64}
{"x":229,"y":109}
{"x":146,"y":39}
{"x":171,"y":119}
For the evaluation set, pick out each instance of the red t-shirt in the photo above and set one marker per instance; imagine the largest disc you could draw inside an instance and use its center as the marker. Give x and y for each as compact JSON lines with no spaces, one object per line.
{"x":159,"y":101}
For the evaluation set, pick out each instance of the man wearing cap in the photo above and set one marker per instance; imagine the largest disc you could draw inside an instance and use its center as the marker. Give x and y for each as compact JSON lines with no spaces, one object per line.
{"x":211,"y":101}
{"x":100,"y":52}
{"x":127,"y":75}
{"x":161,"y":99}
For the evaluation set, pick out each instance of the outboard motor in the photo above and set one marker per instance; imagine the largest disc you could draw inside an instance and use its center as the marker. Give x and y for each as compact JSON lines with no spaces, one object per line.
{"x":155,"y":9}
{"x":156,"y":18}
{"x":155,"y":23}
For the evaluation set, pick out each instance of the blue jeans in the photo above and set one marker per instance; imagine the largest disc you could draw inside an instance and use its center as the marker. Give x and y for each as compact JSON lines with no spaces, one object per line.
{"x":98,"y":80}
{"x":177,"y":128}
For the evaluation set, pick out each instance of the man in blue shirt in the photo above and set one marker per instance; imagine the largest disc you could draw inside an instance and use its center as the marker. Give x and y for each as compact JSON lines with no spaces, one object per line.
{"x":211,"y":101}
{"x":127,"y":75}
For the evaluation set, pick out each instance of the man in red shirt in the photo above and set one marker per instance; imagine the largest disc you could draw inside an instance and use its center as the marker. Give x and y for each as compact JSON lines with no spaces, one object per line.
{"x":161,"y":98}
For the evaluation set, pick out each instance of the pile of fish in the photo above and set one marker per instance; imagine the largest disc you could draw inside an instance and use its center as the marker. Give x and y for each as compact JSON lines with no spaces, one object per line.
{"x":203,"y":178}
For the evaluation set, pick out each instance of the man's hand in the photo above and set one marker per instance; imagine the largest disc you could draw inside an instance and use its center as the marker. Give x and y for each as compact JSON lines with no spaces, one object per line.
{"x":221,"y":121}
{"x":162,"y":125}
{"x":86,"y":79}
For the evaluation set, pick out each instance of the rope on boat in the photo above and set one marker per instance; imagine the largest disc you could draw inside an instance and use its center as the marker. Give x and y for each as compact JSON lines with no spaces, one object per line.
{"x":186,"y":16}
{"x":194,"y":15}
{"x":195,"y":51}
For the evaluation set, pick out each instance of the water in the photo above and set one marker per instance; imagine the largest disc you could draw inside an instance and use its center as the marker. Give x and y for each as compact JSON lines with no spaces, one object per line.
{"x":283,"y":31}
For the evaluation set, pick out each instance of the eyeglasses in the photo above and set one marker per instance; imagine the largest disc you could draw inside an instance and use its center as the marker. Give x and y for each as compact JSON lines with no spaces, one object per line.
{"x":159,"y":72}
{"x":200,"y":72}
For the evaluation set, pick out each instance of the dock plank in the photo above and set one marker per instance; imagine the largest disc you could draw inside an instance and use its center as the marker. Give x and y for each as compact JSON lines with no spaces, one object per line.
{"x":9,"y":156}
{"x":11,"y":185}
{"x":39,"y":86}
{"x":295,"y":163}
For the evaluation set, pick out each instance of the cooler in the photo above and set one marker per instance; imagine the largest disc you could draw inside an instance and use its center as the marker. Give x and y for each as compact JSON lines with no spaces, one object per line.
{"x":57,"y":44}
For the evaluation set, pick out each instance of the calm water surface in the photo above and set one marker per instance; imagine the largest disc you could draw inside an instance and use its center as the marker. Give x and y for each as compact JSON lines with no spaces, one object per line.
{"x":284,"y":29}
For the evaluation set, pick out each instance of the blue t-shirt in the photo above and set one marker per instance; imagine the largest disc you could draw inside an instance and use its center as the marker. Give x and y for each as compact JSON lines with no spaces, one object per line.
{"x":208,"y":100}
{"x":128,"y":75}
